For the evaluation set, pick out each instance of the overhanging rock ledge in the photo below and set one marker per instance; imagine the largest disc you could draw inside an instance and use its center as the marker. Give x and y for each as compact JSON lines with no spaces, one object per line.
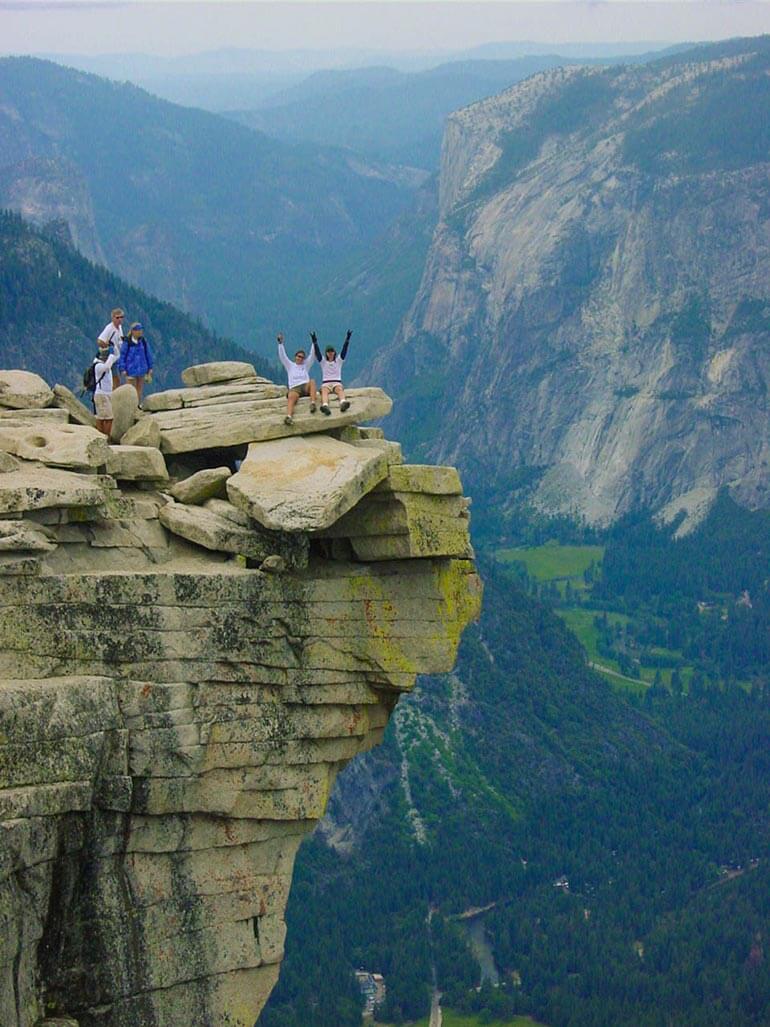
{"x":181,"y":681}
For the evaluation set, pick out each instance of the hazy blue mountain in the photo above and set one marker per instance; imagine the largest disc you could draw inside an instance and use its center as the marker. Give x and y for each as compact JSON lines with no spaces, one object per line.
{"x":237,"y":78}
{"x":383,"y":113}
{"x":54,"y":303}
{"x":213,"y":216}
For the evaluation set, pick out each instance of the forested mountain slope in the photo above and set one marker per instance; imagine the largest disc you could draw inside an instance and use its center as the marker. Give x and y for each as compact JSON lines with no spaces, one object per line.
{"x":54,"y":303}
{"x":594,"y":315}
{"x":614,"y":839}
{"x":208,"y":214}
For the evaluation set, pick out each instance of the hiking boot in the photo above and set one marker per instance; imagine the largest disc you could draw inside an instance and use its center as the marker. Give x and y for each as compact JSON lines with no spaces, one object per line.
{"x":344,"y":405}
{"x":288,"y":419}
{"x":312,"y":408}
{"x":325,"y":409}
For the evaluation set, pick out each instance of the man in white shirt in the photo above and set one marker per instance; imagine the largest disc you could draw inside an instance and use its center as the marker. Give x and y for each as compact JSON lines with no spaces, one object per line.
{"x":103,"y":363}
{"x":300,"y":382}
{"x":112,"y":335}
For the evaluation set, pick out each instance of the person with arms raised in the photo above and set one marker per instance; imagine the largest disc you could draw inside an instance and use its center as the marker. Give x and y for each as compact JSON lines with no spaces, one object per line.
{"x":104,"y":361}
{"x":300,"y":382}
{"x":331,"y":371}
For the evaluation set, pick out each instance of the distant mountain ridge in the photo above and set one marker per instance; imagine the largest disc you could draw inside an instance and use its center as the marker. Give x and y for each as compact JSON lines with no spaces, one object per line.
{"x":593,"y":322}
{"x":384,"y":113}
{"x":201,"y":211}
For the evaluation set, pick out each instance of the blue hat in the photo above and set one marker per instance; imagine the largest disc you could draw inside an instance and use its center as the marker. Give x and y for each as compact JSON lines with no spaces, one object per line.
{"x":136,"y":327}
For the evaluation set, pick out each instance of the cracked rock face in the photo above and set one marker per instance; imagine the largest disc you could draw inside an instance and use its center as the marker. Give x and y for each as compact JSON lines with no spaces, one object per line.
{"x":173,"y":717}
{"x":596,"y":300}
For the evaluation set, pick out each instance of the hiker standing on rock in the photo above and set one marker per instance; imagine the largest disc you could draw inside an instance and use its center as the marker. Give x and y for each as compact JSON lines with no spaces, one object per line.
{"x":136,"y":359}
{"x":112,"y":335}
{"x":331,"y":371}
{"x":300,"y":382}
{"x":104,"y":361}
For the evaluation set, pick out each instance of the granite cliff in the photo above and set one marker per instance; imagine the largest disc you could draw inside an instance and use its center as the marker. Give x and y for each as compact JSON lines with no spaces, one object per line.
{"x":203,"y":620}
{"x":594,"y":314}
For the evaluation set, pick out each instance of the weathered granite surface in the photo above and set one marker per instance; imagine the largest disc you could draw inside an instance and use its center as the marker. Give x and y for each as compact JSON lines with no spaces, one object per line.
{"x":172,"y":718}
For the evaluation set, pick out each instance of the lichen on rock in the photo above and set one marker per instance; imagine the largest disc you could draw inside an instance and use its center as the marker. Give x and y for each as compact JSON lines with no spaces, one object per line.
{"x":180,"y":685}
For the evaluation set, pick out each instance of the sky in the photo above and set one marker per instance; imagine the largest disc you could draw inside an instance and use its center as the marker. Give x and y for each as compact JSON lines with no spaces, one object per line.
{"x":178,"y":27}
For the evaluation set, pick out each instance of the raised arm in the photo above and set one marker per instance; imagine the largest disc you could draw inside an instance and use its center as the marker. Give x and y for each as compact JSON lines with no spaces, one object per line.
{"x":316,"y":350}
{"x":346,"y":343}
{"x":282,"y":353}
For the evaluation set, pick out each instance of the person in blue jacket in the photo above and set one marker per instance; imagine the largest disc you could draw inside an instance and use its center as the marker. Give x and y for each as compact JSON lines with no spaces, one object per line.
{"x":136,"y":358}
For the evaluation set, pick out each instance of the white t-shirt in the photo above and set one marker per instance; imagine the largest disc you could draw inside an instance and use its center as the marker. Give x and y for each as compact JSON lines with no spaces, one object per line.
{"x":298,"y":373}
{"x":113,"y":335}
{"x":103,"y":372}
{"x":331,"y":370}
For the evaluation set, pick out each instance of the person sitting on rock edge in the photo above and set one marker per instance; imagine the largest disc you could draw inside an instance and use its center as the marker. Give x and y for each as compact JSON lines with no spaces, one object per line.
{"x":331,"y":371}
{"x":136,"y":359}
{"x":300,"y":382}
{"x":103,"y":362}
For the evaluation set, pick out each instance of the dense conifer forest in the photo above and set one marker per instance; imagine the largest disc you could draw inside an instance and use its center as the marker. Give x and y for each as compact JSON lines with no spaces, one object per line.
{"x":622,"y":839}
{"x":54,"y":303}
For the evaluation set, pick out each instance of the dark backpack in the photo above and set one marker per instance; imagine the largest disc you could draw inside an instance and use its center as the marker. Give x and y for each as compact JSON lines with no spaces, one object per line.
{"x":89,"y":378}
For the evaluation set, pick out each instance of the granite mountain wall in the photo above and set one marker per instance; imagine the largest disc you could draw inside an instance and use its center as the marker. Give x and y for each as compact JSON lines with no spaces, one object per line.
{"x":594,"y":315}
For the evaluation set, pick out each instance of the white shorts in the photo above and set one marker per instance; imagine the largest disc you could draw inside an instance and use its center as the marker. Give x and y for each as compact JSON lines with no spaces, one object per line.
{"x":103,"y":406}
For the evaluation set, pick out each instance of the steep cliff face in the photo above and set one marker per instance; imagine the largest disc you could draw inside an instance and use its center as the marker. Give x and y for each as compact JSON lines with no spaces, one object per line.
{"x":181,"y":684}
{"x":594,"y":314}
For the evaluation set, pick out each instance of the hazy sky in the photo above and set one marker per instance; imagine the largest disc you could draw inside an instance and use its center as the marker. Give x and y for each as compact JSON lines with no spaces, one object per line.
{"x":179,"y":27}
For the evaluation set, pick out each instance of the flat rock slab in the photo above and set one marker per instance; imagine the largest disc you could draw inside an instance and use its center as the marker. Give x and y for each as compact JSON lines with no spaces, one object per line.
{"x":125,"y":404}
{"x":37,"y":487}
{"x":304,"y":484}
{"x":22,"y":389}
{"x":232,"y":424}
{"x":434,"y":481}
{"x":236,"y":391}
{"x":217,"y":371}
{"x":144,"y":433}
{"x":25,"y":536}
{"x":136,"y":463}
{"x":208,"y":484}
{"x":35,"y":415}
{"x":57,"y":445}
{"x":210,"y":529}
{"x":66,"y":400}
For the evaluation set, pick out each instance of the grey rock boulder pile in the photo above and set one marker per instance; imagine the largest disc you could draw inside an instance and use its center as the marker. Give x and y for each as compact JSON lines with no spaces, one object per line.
{"x":189,"y":653}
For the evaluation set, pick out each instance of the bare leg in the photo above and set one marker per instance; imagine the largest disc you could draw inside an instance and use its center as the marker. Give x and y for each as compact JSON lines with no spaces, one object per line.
{"x":138,"y":384}
{"x":344,"y":403}
{"x":325,"y":399}
{"x":313,"y":394}
{"x":291,"y":402}
{"x":105,"y":427}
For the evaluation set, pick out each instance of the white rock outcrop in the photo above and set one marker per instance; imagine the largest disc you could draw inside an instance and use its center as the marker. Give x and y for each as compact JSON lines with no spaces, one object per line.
{"x":179,"y":686}
{"x":304,"y":484}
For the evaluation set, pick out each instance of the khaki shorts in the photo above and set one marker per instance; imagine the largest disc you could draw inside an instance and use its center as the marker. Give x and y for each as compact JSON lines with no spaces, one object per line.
{"x":103,"y":406}
{"x":301,"y":390}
